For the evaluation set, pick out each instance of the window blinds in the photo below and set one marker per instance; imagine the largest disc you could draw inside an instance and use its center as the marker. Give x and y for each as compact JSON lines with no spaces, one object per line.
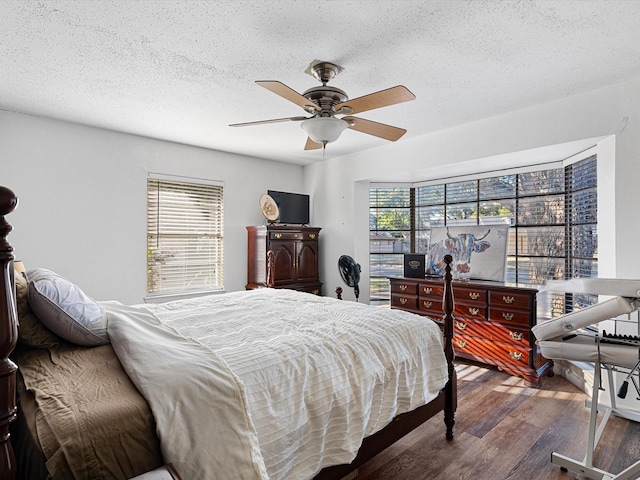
{"x":184,"y":236}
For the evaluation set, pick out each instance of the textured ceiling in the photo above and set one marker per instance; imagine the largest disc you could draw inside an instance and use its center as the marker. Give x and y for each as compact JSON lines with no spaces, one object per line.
{"x":184,"y":70}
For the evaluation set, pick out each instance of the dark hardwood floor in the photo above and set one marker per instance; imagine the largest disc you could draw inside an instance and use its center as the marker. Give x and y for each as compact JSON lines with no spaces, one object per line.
{"x":506,"y":431}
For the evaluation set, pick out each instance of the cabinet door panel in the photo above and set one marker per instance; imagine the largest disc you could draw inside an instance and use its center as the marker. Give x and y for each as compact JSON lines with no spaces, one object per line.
{"x":307,"y":261}
{"x":284,"y":256}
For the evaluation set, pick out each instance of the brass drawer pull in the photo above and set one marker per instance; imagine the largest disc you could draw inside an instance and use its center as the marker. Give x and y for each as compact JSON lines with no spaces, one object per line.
{"x":508,"y":300}
{"x":403,"y":287}
{"x":461,"y":325}
{"x":507,"y":316}
{"x":278,"y":235}
{"x":312,"y":236}
{"x":461,"y":343}
{"x":474,"y":311}
{"x":403,"y":301}
{"x":295,"y":235}
{"x":427,"y":304}
{"x":516,"y":355}
{"x":516,"y":335}
{"x":427,"y":290}
{"x":474,"y":295}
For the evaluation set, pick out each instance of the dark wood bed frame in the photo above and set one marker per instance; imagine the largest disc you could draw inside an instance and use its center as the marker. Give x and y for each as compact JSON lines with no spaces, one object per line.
{"x":399,"y":427}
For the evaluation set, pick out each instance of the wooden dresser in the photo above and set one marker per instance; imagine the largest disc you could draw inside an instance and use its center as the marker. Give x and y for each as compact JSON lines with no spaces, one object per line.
{"x":295,"y":260}
{"x":492,"y":322}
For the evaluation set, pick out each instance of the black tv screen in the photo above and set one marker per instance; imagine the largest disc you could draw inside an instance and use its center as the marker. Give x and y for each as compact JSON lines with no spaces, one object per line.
{"x":294,"y":207}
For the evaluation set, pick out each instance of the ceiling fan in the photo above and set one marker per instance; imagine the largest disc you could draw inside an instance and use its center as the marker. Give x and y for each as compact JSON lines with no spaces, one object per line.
{"x":323,"y":103}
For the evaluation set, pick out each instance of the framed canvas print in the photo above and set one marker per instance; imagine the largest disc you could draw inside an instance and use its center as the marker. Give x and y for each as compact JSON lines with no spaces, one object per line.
{"x":478,"y":251}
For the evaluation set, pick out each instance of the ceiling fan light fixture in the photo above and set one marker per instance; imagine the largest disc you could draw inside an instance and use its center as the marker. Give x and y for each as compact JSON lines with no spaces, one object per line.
{"x":324,"y":129}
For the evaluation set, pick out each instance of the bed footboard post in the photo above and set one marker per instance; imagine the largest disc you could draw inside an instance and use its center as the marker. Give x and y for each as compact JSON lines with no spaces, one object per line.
{"x":450,"y":397}
{"x":8,"y":338}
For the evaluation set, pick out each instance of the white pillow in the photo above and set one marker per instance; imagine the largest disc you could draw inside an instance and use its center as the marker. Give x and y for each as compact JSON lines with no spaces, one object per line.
{"x":65,"y":309}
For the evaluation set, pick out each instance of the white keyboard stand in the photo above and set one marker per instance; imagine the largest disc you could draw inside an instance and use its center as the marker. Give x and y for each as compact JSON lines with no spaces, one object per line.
{"x":586,"y":466}
{"x":551,"y":335}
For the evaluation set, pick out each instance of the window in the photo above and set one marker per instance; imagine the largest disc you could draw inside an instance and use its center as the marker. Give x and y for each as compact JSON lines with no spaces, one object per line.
{"x":552,"y":216}
{"x":184,"y":235}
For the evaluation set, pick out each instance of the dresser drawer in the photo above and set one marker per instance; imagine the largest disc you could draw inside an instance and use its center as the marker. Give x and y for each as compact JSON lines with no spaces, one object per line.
{"x":492,"y":331}
{"x":404,"y":287}
{"x":405,"y":302}
{"x":510,"y":300}
{"x":431,"y":291}
{"x":474,"y":312}
{"x":510,"y":316}
{"x":491,"y":351}
{"x":430,"y":306}
{"x":316,"y":290}
{"x":470,"y":295}
{"x":287,"y":236}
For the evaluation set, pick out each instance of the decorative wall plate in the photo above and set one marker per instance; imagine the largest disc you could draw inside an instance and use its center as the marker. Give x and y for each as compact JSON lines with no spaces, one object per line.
{"x":269,"y":208}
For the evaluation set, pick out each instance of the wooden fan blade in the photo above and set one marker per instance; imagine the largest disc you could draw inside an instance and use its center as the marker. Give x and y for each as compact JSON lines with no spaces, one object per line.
{"x":380,"y":99}
{"x":311,"y":145}
{"x":275,"y":120}
{"x":287,"y":93}
{"x":376,"y":129}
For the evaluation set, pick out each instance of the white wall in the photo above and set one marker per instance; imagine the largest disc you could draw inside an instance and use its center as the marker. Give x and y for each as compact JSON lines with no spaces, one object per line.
{"x":610,"y":116}
{"x":82,"y":190}
{"x":82,"y":200}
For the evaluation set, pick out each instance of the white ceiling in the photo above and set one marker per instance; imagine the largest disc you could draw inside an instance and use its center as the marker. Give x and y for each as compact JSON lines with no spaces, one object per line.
{"x":183,"y":70}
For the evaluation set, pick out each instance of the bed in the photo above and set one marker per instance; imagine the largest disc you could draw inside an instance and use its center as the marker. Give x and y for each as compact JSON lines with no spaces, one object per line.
{"x":268,"y":383}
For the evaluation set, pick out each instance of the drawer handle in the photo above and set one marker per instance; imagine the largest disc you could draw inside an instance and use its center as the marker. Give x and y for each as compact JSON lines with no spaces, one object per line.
{"x":474,"y":311}
{"x":427,"y":304}
{"x":516,"y":355}
{"x":403,"y":287}
{"x":461,"y":343}
{"x":427,"y":290}
{"x":312,"y":236}
{"x":474,"y":295}
{"x":278,"y":235}
{"x":508,"y":300}
{"x":461,"y":325}
{"x":516,"y":335}
{"x":403,"y":301}
{"x":507,"y":316}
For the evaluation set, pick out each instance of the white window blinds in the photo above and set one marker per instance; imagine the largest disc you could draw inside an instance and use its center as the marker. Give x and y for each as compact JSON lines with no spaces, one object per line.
{"x":184,"y":235}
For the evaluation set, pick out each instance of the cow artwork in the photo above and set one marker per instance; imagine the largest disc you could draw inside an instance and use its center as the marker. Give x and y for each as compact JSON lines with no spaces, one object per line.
{"x":460,"y":247}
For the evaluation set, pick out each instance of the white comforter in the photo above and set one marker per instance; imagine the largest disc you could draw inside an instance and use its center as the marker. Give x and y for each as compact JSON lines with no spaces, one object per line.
{"x":273,"y":383}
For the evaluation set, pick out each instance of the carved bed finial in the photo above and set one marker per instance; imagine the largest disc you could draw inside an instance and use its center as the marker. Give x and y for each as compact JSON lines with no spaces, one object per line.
{"x":8,"y":338}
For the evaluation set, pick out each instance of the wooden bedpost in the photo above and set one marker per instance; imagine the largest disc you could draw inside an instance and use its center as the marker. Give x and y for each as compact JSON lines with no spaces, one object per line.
{"x":450,"y":398}
{"x":271,"y":258}
{"x":8,"y":338}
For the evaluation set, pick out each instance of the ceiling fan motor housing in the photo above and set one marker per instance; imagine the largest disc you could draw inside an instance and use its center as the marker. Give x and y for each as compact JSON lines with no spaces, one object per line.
{"x":326,"y":97}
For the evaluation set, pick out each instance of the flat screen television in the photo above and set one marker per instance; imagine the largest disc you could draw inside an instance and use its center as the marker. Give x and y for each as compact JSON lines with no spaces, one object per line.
{"x":294,"y":207}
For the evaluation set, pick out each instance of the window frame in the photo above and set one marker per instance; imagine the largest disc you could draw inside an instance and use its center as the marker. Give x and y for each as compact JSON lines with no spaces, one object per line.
{"x":185,"y":234}
{"x":418,"y":231}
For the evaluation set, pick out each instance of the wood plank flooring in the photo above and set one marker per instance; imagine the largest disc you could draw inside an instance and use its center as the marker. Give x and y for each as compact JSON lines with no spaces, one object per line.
{"x":506,"y":431}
